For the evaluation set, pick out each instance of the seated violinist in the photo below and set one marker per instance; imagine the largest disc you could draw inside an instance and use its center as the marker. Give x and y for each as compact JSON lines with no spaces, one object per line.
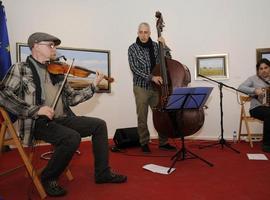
{"x":255,"y":87}
{"x":29,"y":85}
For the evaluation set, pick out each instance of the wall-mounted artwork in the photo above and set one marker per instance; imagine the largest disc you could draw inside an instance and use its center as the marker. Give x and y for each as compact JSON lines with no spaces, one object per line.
{"x":263,"y":53}
{"x":89,"y":59}
{"x":214,"y":66}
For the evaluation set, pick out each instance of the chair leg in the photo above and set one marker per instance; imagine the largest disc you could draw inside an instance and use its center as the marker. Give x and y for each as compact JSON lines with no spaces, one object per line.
{"x":69,"y":174}
{"x":7,"y":125}
{"x":248,"y":134}
{"x":31,"y":171}
{"x":240,"y":130}
{"x":2,"y":136}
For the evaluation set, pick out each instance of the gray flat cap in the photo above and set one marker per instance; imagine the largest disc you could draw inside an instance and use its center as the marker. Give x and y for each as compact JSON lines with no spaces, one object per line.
{"x":39,"y":36}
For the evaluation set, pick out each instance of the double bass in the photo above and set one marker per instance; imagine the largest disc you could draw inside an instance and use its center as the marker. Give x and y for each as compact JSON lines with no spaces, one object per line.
{"x":178,"y":123}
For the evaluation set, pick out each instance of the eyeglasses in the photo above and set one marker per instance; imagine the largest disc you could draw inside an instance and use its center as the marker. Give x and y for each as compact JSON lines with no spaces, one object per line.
{"x":145,"y":32}
{"x":50,"y":45}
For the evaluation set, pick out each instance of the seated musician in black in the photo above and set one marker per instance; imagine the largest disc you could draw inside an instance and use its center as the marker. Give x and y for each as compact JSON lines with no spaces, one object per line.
{"x":29,"y":90}
{"x":255,"y":86}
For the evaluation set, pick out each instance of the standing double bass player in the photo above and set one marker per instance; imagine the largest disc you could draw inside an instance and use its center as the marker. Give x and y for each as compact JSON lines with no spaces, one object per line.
{"x":143,"y":55}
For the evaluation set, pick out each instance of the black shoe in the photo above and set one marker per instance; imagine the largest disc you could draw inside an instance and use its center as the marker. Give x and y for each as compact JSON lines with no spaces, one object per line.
{"x":167,"y":147}
{"x":111,"y":178}
{"x":145,"y":148}
{"x":52,"y":188}
{"x":266,"y":148}
{"x":6,"y":148}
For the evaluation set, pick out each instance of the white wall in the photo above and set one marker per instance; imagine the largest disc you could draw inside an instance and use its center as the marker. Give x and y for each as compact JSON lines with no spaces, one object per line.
{"x":193,"y":27}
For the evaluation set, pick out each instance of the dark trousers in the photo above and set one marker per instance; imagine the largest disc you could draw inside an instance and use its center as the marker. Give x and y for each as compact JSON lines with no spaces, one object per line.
{"x":65,"y":135}
{"x":263,"y":113}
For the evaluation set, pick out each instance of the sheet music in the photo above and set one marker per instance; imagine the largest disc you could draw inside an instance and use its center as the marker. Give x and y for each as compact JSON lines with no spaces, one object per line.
{"x":188,"y":97}
{"x":258,"y":156}
{"x":158,"y":169}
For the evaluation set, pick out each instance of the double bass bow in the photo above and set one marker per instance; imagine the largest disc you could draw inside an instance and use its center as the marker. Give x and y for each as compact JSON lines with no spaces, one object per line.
{"x":174,"y":74}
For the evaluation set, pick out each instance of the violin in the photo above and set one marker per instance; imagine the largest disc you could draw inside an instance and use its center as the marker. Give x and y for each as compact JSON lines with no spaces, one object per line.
{"x":62,"y":68}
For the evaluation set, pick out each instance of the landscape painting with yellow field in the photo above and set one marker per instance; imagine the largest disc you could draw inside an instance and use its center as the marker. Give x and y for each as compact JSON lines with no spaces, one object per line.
{"x":212,"y":66}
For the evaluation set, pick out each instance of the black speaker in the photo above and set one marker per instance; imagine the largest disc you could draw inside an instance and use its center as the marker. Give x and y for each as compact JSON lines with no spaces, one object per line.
{"x":126,"y":137}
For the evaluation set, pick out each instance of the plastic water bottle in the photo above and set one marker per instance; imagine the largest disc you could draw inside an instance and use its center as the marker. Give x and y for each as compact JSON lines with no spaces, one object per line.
{"x":234,"y":137}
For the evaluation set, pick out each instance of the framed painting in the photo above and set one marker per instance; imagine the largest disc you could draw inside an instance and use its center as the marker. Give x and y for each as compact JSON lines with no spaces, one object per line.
{"x":89,"y":59}
{"x":214,"y":66}
{"x":263,"y":53}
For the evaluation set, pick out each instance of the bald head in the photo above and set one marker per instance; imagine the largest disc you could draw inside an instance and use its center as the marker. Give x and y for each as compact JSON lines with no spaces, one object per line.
{"x":144,"y":32}
{"x":143,"y":24}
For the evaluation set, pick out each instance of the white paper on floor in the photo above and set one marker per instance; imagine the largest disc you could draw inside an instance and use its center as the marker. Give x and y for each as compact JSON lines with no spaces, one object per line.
{"x":256,"y":156}
{"x":158,"y":169}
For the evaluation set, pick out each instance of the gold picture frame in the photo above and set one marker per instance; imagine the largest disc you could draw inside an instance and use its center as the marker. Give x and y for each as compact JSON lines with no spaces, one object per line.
{"x":214,"y":66}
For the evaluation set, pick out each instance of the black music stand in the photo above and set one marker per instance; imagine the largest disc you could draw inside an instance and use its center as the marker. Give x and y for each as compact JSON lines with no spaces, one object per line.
{"x":187,"y":98}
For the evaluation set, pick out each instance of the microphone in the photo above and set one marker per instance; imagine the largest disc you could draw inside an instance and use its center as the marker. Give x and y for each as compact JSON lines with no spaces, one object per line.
{"x":58,"y":58}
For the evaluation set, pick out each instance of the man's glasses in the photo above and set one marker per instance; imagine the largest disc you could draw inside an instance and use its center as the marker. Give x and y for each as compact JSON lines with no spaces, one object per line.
{"x":145,"y":32}
{"x":50,"y":45}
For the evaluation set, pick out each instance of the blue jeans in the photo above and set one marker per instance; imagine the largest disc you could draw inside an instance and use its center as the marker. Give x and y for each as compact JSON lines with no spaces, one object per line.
{"x":65,"y":135}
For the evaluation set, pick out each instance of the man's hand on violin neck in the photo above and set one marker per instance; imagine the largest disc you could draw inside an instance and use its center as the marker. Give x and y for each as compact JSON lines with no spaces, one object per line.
{"x":47,"y":111}
{"x":157,"y":79}
{"x":98,"y":78}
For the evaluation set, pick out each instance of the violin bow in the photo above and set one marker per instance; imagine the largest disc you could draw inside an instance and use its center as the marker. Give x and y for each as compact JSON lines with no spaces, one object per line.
{"x":62,"y":86}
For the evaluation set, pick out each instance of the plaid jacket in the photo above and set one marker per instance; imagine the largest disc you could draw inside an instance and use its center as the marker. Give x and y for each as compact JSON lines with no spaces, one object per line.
{"x":140,"y":64}
{"x":18,"y":97}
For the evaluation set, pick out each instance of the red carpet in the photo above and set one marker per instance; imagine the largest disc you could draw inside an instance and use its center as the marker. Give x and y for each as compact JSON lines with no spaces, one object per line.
{"x":232,"y":177}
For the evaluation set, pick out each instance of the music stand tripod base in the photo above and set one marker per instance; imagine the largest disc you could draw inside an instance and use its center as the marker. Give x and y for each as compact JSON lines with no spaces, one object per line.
{"x":187,"y":98}
{"x":182,"y":155}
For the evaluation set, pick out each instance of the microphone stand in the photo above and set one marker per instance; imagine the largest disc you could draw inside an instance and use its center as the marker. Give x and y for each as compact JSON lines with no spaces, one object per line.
{"x":222,"y":141}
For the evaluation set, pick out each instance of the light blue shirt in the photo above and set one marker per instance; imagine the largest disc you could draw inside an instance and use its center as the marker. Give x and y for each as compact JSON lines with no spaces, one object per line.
{"x":249,"y":86}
